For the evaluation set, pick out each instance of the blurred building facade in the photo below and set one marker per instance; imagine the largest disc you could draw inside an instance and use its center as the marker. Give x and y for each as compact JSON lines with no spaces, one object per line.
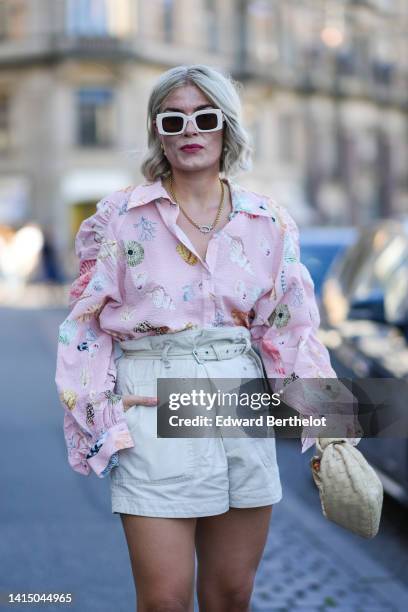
{"x":325,"y":100}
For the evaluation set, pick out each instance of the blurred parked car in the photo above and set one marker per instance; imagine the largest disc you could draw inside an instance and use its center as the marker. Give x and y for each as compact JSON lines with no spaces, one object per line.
{"x":364,"y":312}
{"x":320,"y":246}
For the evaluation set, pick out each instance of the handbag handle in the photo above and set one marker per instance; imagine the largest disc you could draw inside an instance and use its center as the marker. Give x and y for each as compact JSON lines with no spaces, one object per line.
{"x":322,"y":443}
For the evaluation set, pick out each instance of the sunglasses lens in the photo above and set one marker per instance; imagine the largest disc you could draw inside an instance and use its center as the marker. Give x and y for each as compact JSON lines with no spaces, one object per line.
{"x":172,"y":123}
{"x":207,"y":121}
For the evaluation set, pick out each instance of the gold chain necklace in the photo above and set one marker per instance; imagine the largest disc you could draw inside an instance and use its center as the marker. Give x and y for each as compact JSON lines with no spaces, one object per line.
{"x":203,"y":228}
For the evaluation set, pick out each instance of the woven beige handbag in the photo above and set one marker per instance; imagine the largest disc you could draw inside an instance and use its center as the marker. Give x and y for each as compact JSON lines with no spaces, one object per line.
{"x":350,"y":491}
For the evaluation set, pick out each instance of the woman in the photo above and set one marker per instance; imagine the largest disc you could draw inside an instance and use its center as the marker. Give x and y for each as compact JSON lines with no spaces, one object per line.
{"x":194,"y":276}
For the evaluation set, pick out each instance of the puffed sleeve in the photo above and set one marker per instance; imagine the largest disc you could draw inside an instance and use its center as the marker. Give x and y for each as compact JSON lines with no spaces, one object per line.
{"x":94,"y":423}
{"x":287,"y":339}
{"x":88,"y":240}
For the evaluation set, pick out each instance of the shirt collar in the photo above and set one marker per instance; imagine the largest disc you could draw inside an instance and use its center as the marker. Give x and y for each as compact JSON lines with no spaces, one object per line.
{"x":243,"y":200}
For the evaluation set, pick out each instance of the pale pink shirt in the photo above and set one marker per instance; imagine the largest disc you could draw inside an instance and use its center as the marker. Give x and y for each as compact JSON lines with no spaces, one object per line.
{"x":141,"y":275}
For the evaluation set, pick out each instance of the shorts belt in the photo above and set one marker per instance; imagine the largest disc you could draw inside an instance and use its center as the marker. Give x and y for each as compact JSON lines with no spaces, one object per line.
{"x":211,"y":352}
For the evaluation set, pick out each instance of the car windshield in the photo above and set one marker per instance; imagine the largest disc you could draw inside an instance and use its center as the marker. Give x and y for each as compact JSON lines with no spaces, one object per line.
{"x":396,"y":295}
{"x":347,"y":268}
{"x":317,"y":258}
{"x":386,"y":255}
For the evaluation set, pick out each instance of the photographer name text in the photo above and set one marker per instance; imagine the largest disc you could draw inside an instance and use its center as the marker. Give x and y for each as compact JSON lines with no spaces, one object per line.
{"x":259,"y":421}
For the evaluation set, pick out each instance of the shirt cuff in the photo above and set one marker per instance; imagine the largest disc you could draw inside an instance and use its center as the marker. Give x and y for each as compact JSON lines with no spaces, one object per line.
{"x":114,"y":439}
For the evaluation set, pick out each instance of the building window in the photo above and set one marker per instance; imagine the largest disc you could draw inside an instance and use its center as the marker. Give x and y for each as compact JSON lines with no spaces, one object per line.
{"x":211,"y":17}
{"x":99,"y":17}
{"x":261,"y":32}
{"x":13,"y":19}
{"x":96,"y":117}
{"x":363,"y":53}
{"x":256,"y":131}
{"x":4,"y":122}
{"x":3,"y":20}
{"x":286,"y":138}
{"x":168,"y":20}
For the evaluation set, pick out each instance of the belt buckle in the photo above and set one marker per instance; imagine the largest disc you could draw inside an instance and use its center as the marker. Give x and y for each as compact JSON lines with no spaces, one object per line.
{"x":196,"y":357}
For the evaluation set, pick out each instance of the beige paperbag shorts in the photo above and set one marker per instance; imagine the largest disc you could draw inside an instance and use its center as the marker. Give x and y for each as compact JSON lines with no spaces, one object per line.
{"x":189,"y":477}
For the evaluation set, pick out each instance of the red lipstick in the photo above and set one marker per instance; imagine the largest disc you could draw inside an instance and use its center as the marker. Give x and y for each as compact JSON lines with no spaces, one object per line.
{"x":191,"y":147}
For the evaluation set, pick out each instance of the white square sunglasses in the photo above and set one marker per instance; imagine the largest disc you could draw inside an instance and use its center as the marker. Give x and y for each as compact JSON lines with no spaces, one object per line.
{"x":207,"y":120}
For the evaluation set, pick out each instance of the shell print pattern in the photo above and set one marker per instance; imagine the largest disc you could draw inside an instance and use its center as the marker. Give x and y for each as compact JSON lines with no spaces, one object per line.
{"x":127,"y":314}
{"x":241,"y":203}
{"x":97,"y":446}
{"x":85,"y":377}
{"x":134,"y":252}
{"x":272,"y":295}
{"x":186,"y":254}
{"x":240,"y":290}
{"x":98,"y":235}
{"x":139,"y":280}
{"x":90,"y":335}
{"x":280,"y":316}
{"x":237,"y":252}
{"x":93,"y":349}
{"x":276,"y":357}
{"x":140,"y":276}
{"x":112,"y":398}
{"x":188,"y":293}
{"x":113,"y":461}
{"x":109,"y":248}
{"x":106,"y":208}
{"x":90,"y":338}
{"x":219,"y":319}
{"x":97,"y":283}
{"x":124,"y":208}
{"x":90,"y":312}
{"x":296,"y":292}
{"x":67,"y":331}
{"x":69,"y":398}
{"x":160,"y":298}
{"x":279,"y":216}
{"x":283,"y":281}
{"x":292,"y":377}
{"x":238,"y":256}
{"x":126,"y":189}
{"x":90,"y":414}
{"x":147,"y":229}
{"x":289,"y":250}
{"x":188,"y":325}
{"x":145,"y":326}
{"x":243,"y":292}
{"x":243,"y":318}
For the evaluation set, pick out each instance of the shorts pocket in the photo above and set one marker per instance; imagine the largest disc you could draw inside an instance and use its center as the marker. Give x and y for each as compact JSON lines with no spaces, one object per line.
{"x":152,"y":460}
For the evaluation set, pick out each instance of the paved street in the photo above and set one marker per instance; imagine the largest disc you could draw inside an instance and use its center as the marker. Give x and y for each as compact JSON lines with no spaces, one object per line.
{"x":58,"y":533}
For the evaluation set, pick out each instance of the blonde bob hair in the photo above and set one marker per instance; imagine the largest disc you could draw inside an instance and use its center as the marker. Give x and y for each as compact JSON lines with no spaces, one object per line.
{"x":222,"y":91}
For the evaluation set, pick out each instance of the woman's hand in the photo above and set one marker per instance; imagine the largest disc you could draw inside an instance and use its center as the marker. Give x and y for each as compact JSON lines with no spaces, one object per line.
{"x":130,"y":400}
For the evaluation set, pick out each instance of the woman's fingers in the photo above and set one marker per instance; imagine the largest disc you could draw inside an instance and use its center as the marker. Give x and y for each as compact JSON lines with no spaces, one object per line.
{"x":146,"y":400}
{"x":143,"y":400}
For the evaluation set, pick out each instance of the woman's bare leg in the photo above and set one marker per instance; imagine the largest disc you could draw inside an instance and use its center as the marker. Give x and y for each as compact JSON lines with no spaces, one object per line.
{"x":229,"y":548}
{"x":162,"y":556}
